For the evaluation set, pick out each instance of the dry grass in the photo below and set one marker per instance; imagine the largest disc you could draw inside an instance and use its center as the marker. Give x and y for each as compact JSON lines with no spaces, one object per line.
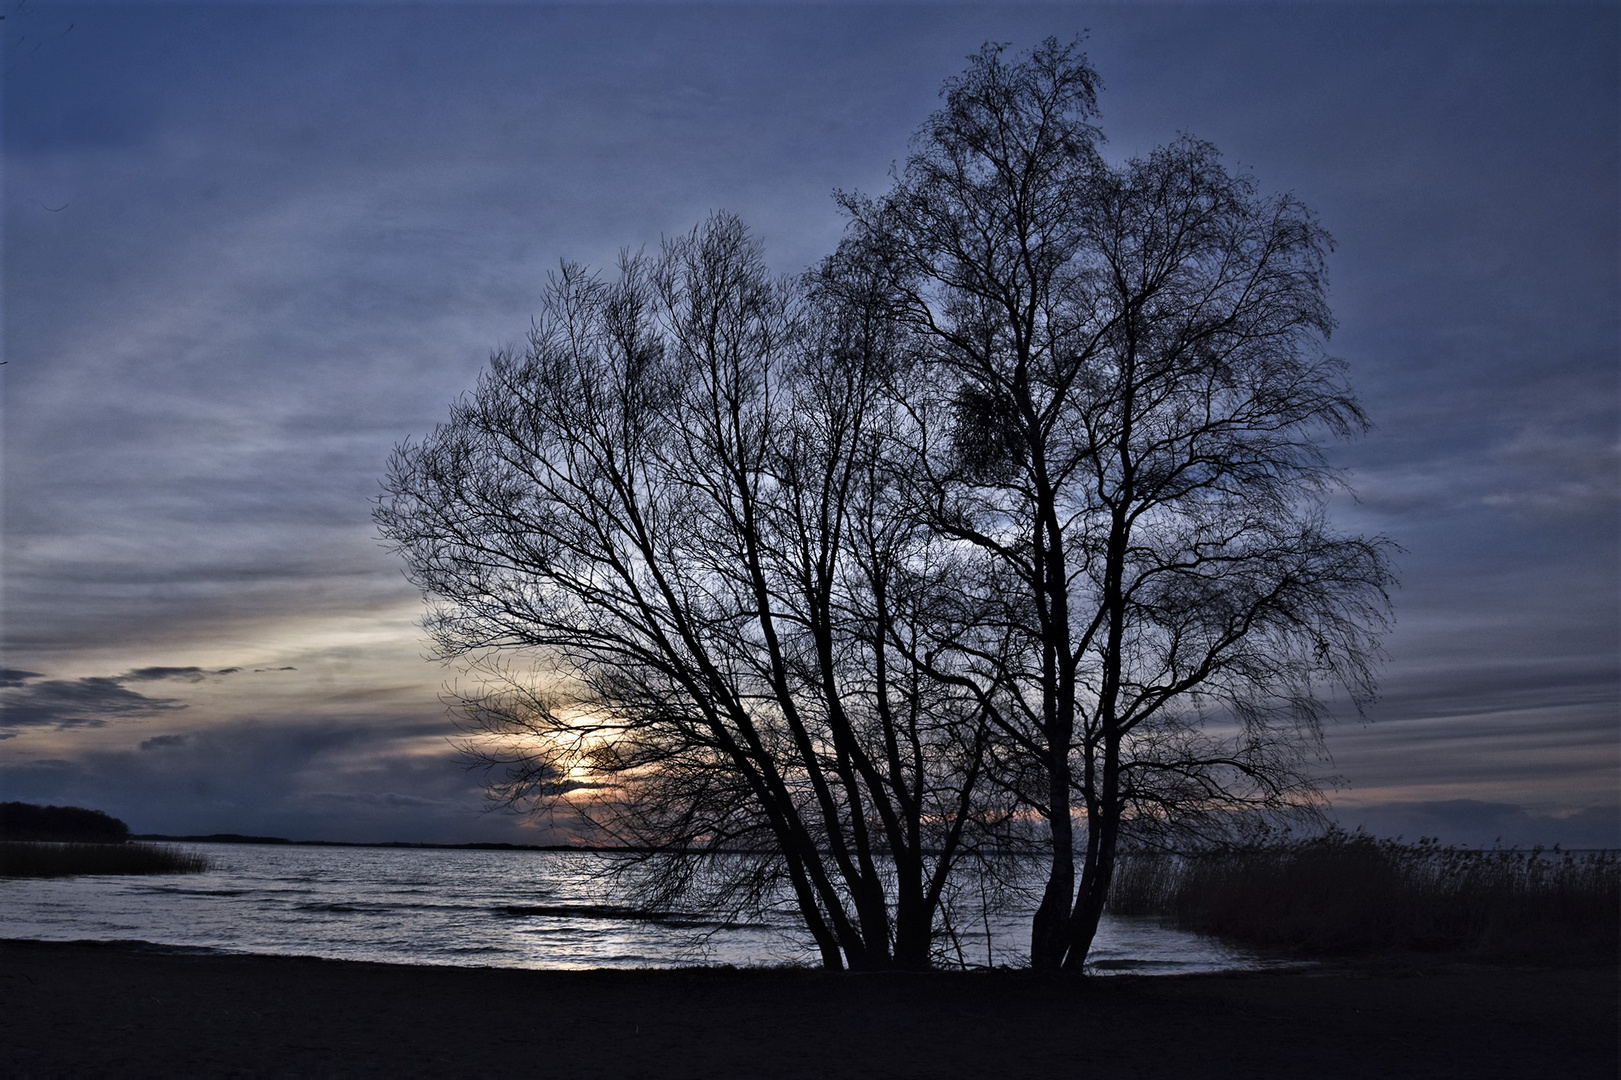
{"x":1347,"y":894}
{"x":20,"y":858}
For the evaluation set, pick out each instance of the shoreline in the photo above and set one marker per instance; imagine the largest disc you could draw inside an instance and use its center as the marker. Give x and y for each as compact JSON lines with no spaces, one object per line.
{"x":129,"y":1009}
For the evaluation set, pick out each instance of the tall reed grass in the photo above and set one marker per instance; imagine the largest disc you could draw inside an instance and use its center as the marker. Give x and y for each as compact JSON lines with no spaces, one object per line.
{"x":1349,"y":893}
{"x":22,"y":858}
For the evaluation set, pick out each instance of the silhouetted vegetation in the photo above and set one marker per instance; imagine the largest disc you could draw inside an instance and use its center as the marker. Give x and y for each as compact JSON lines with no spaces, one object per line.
{"x":1009,"y":515}
{"x":60,"y":824}
{"x":32,"y":859}
{"x":1350,"y":894}
{"x":59,"y":841}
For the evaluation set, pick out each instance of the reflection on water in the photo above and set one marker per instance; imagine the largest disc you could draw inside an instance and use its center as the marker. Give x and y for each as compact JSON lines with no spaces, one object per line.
{"x":536,"y":909}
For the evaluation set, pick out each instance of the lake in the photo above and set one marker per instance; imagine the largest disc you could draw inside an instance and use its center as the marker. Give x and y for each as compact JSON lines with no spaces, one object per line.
{"x":528,"y":909}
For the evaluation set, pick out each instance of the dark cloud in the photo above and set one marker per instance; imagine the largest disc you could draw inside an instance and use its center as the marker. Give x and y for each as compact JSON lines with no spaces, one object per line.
{"x":295,"y":233}
{"x":148,"y":674}
{"x":185,"y":674}
{"x":91,"y":701}
{"x":1481,"y":824}
{"x":88,"y":702}
{"x":388,"y":800}
{"x":357,"y":780}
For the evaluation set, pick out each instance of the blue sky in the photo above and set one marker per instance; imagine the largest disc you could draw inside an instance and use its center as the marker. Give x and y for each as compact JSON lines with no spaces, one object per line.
{"x":249,"y":248}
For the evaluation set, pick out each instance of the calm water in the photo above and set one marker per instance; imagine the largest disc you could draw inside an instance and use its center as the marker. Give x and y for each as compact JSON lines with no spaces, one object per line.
{"x":476,"y":908}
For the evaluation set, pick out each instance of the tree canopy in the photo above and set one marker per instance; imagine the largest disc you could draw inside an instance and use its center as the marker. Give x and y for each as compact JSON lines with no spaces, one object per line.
{"x":59,"y":824}
{"x":1002,"y":530}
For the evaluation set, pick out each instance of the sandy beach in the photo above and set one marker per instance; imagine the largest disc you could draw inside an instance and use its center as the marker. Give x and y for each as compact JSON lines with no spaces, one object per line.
{"x":88,"y":1009}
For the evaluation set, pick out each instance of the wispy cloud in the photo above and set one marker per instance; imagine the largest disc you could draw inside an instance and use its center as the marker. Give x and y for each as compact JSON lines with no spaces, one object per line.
{"x":1480,"y":823}
{"x":360,"y":779}
{"x":66,"y":703}
{"x":28,"y":699}
{"x":184,"y":674}
{"x":268,"y":274}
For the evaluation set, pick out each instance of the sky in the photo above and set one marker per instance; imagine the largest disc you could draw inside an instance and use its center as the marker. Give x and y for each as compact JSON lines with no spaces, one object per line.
{"x":249,"y":248}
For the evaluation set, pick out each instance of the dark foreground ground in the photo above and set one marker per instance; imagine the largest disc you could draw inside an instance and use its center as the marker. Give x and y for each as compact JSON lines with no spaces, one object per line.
{"x":125,"y":1010}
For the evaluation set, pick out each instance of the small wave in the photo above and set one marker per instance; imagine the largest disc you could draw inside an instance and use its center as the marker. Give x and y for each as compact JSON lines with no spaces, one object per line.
{"x":674,"y":919}
{"x":1135,"y":965}
{"x":341,"y":907}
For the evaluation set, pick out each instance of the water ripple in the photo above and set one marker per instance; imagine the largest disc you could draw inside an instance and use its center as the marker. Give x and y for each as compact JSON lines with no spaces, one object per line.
{"x":492,"y":908}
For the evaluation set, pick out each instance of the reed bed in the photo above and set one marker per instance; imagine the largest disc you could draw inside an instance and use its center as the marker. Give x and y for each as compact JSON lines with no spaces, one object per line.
{"x":22,"y":858}
{"x":1349,"y":893}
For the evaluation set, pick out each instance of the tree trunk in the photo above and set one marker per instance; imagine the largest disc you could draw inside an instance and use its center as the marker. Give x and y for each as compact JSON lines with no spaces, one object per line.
{"x":1049,"y":929}
{"x":1098,"y":872}
{"x":913,"y":924}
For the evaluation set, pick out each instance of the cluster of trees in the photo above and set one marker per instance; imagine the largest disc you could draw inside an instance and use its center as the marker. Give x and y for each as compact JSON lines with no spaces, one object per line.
{"x":59,"y":825}
{"x":1000,"y":532}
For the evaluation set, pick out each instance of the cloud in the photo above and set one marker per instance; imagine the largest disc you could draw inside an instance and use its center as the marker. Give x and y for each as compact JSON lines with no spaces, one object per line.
{"x":90,"y":701}
{"x":186,"y":674}
{"x":364,"y":779}
{"x":93,"y":701}
{"x":371,"y":799}
{"x":87,"y":702}
{"x":148,"y":674}
{"x":1479,"y":823}
{"x":264,"y":283}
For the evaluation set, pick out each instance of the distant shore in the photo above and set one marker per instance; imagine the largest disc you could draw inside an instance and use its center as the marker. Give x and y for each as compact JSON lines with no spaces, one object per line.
{"x":127,"y":1009}
{"x":481,"y":845}
{"x":475,"y":845}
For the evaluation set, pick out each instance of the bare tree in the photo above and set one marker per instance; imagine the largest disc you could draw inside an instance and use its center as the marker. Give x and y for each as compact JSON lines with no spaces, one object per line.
{"x":1013,"y":511}
{"x":1132,"y":358}
{"x":680,"y":500}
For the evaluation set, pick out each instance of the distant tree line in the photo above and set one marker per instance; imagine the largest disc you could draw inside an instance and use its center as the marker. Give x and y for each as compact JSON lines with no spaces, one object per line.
{"x":59,"y":825}
{"x":1001,"y":533}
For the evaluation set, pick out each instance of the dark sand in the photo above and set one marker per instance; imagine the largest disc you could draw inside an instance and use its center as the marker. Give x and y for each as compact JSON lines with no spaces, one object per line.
{"x":127,"y":1010}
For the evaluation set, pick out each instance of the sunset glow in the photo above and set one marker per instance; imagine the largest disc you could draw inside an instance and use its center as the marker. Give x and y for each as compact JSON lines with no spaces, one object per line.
{"x":236,"y":280}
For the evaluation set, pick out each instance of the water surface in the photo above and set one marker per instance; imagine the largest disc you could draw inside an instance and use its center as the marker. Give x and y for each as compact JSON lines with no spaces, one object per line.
{"x":529,"y":909}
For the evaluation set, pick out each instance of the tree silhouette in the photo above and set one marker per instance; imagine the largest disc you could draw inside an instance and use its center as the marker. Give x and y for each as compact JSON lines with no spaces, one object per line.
{"x":60,"y":824}
{"x":679,"y":495}
{"x":1011,"y":513}
{"x":1134,"y":358}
